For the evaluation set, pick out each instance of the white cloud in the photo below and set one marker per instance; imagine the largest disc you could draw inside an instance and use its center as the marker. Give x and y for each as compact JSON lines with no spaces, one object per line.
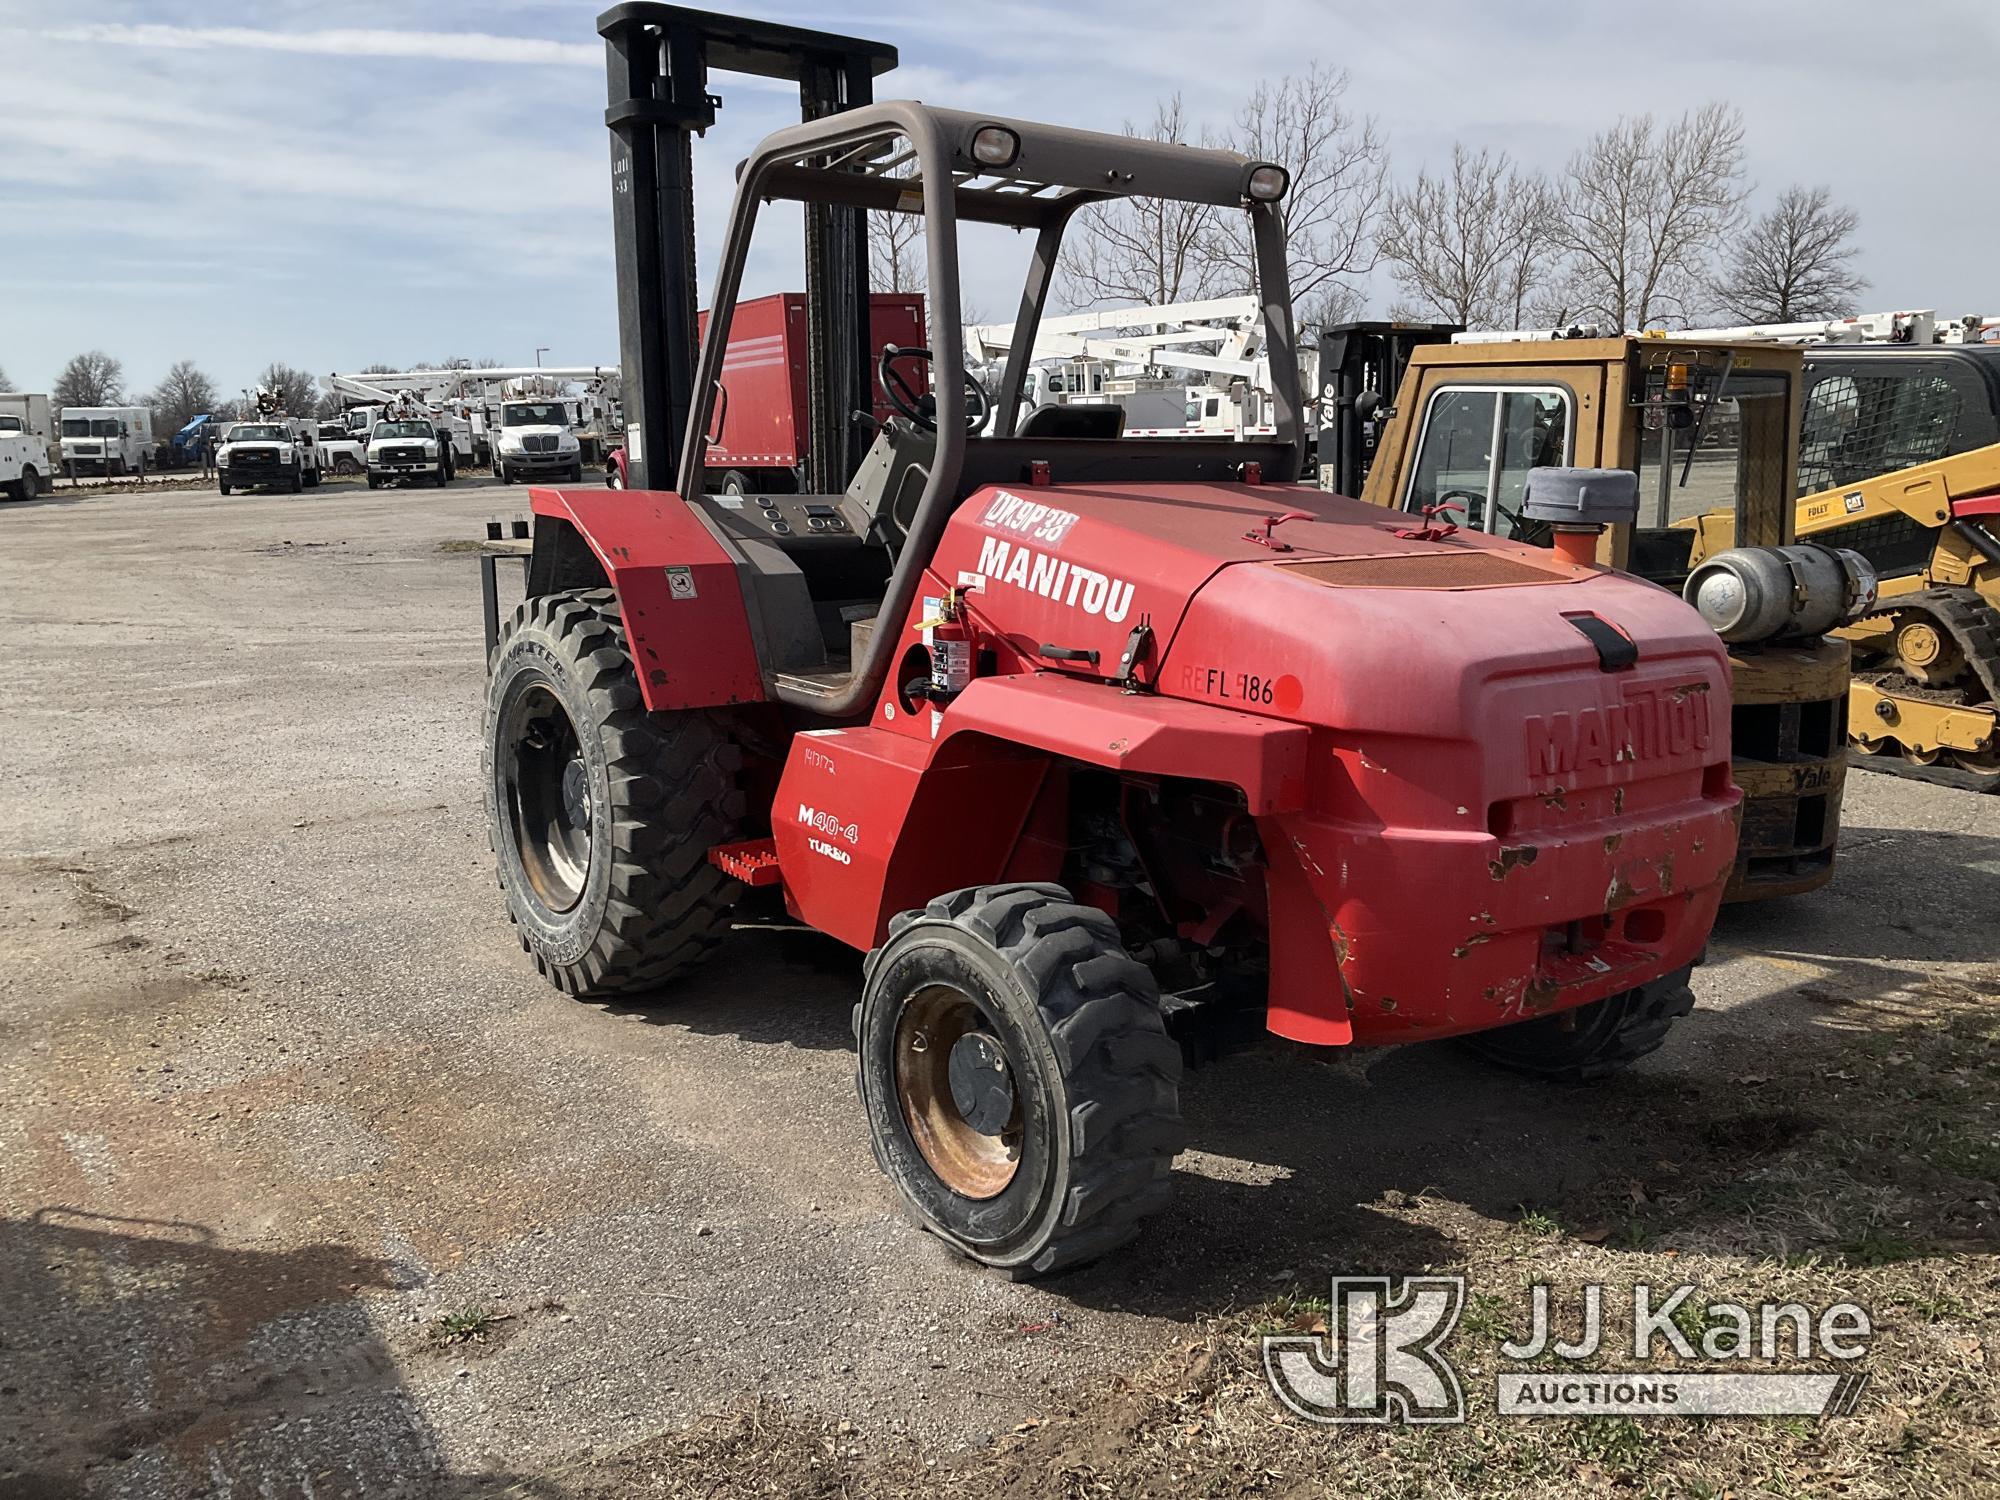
{"x":454,"y":46}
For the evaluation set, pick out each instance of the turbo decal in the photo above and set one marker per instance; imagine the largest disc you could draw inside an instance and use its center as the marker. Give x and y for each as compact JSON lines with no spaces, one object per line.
{"x":1064,"y":583}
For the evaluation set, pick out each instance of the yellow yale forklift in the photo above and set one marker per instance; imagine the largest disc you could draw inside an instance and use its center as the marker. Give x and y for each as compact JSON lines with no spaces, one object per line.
{"x":1711,"y":429}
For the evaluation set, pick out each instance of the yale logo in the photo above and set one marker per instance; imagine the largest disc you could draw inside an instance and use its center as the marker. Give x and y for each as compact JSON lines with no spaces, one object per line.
{"x":1675,"y":722}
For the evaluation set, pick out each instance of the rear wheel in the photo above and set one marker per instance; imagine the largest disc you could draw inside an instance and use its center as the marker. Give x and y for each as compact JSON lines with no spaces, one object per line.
{"x":312,"y":479}
{"x":1022,"y":1092}
{"x":602,"y":814}
{"x":1591,"y":1041}
{"x":28,"y":485}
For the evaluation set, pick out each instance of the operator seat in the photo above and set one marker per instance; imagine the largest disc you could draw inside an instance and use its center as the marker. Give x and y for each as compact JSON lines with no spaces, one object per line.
{"x":1057,"y":421}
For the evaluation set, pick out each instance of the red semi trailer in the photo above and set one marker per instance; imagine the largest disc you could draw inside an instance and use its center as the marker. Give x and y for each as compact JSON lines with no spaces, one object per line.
{"x":761,"y":431}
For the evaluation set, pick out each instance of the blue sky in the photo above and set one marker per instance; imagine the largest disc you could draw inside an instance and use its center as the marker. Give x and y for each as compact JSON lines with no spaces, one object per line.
{"x":238,"y":182}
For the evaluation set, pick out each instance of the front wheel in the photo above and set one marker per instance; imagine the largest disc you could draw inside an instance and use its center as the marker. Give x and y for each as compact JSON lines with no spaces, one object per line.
{"x":503,"y":474}
{"x":1022,"y":1092}
{"x":297,"y":481}
{"x":222,"y":486}
{"x":438,"y":479}
{"x":601,"y":814}
{"x":1591,"y":1041}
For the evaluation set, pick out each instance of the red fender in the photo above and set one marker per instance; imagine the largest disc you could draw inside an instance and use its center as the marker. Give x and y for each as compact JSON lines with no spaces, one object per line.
{"x":1267,"y":758}
{"x":1101,"y":725}
{"x":685,"y":618}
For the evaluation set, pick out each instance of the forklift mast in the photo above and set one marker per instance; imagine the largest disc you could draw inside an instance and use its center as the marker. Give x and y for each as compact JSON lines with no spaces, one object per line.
{"x":1361,"y":368}
{"x":657,"y":60}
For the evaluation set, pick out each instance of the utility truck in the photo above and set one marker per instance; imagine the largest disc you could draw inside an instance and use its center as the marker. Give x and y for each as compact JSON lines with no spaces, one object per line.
{"x":109,"y":440}
{"x":407,"y":449}
{"x":35,"y":417}
{"x":533,"y":437}
{"x":273,"y":452}
{"x":1089,"y":744}
{"x":24,"y":458}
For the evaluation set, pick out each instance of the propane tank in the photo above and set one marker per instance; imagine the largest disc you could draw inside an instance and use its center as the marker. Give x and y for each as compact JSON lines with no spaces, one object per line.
{"x":1751,"y":594}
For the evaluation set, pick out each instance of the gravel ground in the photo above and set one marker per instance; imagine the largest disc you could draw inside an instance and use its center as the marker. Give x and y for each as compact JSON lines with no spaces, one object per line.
{"x":279,"y":1092}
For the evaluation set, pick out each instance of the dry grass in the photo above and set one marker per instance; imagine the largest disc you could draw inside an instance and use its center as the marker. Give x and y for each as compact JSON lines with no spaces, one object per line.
{"x":1861,"y":1167}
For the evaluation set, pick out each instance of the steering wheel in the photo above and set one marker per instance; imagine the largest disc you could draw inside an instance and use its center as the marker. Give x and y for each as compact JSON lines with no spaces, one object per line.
{"x":1519,"y":527}
{"x":922,"y":408}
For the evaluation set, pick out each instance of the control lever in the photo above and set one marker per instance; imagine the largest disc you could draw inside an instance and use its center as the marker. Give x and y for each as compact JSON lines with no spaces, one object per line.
{"x":1067,"y":653}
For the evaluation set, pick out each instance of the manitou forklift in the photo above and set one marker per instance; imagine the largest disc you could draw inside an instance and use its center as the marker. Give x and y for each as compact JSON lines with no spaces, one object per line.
{"x":1078,"y":737}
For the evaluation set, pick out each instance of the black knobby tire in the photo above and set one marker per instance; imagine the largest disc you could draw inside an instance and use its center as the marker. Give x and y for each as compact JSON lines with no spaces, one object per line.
{"x":1095,"y":1079}
{"x":640,"y":905}
{"x":1593,"y":1040}
{"x":222,"y":486}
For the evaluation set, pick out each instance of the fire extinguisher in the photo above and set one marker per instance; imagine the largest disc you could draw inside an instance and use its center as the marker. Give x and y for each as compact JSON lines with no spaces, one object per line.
{"x":950,"y":638}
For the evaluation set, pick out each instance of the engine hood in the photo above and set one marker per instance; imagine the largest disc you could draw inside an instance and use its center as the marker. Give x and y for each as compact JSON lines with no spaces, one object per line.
{"x":1343,"y":624}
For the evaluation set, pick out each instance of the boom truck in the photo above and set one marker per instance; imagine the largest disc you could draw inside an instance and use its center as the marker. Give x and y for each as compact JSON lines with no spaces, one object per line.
{"x":1084,"y":741}
{"x":1471,"y":420}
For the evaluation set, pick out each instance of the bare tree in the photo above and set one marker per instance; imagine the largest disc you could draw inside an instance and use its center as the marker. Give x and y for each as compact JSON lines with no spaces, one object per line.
{"x":1470,"y":246}
{"x":1338,"y":165}
{"x":92,"y":379}
{"x":1795,"y":263}
{"x":896,"y":252}
{"x":5,"y":383}
{"x":1147,"y":250}
{"x":1645,"y":208}
{"x":298,"y":393}
{"x":184,"y":394}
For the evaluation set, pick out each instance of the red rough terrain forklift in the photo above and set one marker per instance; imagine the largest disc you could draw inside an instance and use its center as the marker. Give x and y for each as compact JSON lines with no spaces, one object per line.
{"x":1084,"y":740}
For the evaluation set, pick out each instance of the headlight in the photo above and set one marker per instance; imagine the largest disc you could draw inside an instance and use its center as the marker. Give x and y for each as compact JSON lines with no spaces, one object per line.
{"x":1267,"y":182}
{"x":430,"y":450}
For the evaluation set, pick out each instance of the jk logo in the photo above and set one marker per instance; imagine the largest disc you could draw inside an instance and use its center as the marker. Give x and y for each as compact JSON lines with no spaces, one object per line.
{"x":1379,"y":1359}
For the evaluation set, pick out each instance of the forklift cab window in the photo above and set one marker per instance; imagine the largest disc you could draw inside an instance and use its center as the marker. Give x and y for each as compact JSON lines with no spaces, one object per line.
{"x":1478,"y":444}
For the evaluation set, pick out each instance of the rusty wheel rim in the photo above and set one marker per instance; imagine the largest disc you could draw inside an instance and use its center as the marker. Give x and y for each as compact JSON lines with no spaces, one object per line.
{"x":967,"y":1128}
{"x":546,"y":786}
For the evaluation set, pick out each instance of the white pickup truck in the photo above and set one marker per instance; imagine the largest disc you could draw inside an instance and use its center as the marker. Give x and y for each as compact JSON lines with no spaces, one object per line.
{"x":23,"y":458}
{"x":276,"y":452}
{"x":408,"y":449}
{"x":341,"y":451}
